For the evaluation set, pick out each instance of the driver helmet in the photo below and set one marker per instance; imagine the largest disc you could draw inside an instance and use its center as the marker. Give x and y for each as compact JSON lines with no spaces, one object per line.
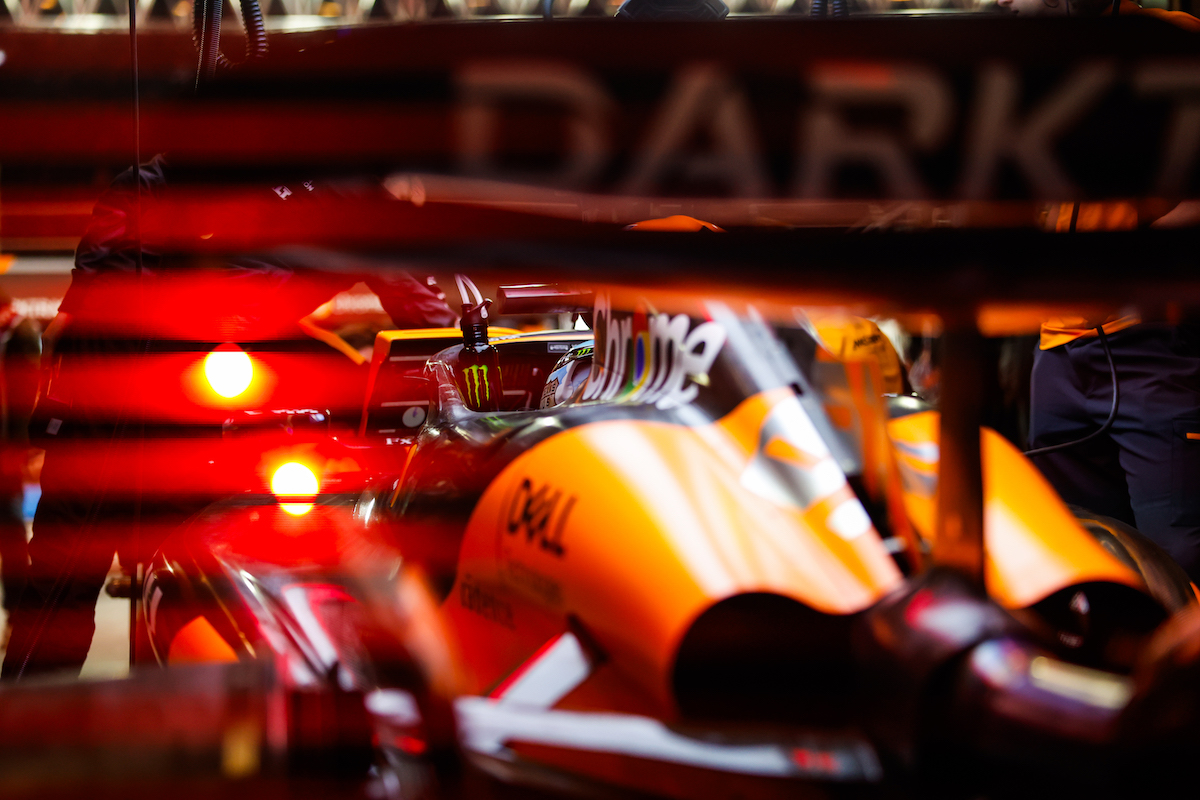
{"x":566,"y":381}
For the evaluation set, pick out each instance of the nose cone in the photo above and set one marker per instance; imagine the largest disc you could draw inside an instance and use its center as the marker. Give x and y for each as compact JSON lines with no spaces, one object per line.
{"x":638,"y":528}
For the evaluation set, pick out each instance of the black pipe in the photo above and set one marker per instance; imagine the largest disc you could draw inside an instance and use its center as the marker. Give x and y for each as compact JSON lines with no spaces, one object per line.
{"x":256,"y":31}
{"x":206,"y":32}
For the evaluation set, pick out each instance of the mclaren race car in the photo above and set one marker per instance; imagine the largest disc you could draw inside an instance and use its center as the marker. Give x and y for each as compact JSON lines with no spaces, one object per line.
{"x":685,"y":552}
{"x":678,"y":554}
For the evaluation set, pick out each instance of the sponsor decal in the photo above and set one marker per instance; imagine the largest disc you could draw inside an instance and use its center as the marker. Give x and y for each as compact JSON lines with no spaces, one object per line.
{"x":476,"y":385}
{"x":651,"y":358}
{"x":477,"y":599}
{"x":36,"y":307}
{"x":539,"y":516}
{"x":864,"y":341}
{"x":548,"y":393}
{"x":543,"y":587}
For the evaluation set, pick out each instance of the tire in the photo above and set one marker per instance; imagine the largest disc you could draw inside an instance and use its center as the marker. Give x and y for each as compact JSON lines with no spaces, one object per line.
{"x":1165,"y":580}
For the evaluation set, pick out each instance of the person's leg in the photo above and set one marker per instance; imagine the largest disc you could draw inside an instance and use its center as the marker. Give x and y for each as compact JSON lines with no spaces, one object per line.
{"x":14,"y":552}
{"x":1067,"y":402}
{"x":68,"y":560}
{"x":1159,"y":436}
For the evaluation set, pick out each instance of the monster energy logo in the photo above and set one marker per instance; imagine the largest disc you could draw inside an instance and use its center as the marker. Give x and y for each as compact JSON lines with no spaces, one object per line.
{"x":476,"y":377}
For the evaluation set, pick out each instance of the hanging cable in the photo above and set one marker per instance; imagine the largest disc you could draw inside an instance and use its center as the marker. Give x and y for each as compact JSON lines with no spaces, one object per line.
{"x":206,"y":34}
{"x":139,"y":387}
{"x":1112,"y":413}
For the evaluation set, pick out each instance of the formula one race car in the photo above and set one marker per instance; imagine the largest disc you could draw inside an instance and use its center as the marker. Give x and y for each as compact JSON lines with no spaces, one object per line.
{"x":684,"y":555}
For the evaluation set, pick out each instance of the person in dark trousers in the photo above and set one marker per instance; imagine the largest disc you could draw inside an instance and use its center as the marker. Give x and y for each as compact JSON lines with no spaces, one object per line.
{"x":106,"y":465}
{"x":1145,"y":468}
{"x":20,"y":352}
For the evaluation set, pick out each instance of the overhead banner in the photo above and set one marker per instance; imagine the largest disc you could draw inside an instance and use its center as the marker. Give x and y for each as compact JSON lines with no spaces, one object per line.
{"x":753,"y":111}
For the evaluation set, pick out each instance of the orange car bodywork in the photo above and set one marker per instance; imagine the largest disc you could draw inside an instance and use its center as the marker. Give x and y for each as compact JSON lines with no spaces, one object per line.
{"x":582,"y":560}
{"x":1034,"y":544}
{"x":631,"y":529}
{"x":561,"y":533}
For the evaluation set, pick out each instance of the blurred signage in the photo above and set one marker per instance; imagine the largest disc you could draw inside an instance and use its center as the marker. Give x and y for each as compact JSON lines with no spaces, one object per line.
{"x":948,"y":109}
{"x":850,"y":128}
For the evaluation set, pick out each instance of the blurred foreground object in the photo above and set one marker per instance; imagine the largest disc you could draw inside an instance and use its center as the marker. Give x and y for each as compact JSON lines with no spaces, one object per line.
{"x":112,"y":390}
{"x":20,"y":351}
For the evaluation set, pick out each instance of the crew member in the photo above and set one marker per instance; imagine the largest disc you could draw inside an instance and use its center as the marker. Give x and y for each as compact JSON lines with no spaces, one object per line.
{"x":114,"y":321}
{"x":1145,"y":468}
